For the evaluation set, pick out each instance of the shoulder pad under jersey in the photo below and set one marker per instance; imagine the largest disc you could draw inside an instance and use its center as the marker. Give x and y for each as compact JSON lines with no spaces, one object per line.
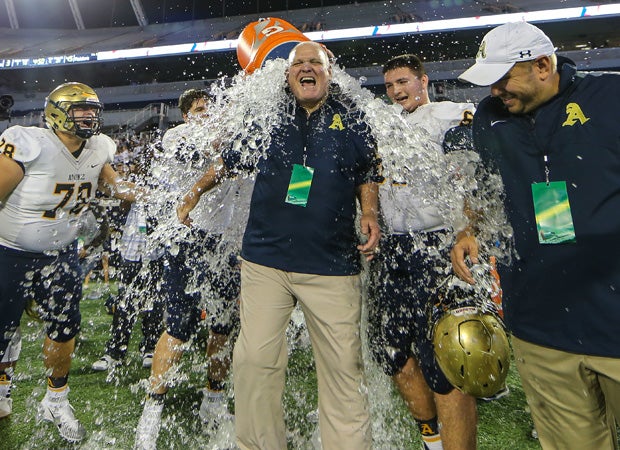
{"x":459,"y":113}
{"x":22,"y":144}
{"x":103,"y":143}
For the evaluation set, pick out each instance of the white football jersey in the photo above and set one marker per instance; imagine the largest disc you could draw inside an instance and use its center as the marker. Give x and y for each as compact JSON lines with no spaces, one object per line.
{"x":41,"y":214}
{"x":185,"y":161}
{"x":403,"y":210}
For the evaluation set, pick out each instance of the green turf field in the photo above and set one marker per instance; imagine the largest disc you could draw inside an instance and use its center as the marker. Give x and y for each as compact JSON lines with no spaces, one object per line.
{"x":109,"y":406}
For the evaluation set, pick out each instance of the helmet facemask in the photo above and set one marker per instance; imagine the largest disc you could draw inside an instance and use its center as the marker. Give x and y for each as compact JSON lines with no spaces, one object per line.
{"x":83,"y":126}
{"x":65,"y":110}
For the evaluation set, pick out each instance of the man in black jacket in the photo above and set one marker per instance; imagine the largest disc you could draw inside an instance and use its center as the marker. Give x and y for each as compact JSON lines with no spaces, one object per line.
{"x":552,"y":135}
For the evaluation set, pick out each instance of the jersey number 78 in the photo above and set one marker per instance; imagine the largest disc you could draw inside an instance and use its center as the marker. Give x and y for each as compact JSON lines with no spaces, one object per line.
{"x":82,"y":198}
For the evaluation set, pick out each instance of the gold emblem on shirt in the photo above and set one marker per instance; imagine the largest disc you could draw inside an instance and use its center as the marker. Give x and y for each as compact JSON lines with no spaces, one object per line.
{"x":336,"y":123}
{"x":574,"y":114}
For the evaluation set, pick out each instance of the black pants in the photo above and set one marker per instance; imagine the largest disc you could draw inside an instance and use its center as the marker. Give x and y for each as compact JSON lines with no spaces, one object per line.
{"x":139,"y":292}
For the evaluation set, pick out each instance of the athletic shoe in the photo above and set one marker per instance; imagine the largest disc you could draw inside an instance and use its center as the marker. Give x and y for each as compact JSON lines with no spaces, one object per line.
{"x":56,"y":409}
{"x":105,"y":363}
{"x":214,"y":408}
{"x":147,"y":360}
{"x":149,"y":425}
{"x":313,"y":416}
{"x":503,"y":392}
{"x":6,"y":406}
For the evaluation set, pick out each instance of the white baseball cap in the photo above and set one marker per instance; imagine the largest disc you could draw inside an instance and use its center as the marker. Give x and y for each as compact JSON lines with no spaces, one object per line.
{"x":504,"y":46}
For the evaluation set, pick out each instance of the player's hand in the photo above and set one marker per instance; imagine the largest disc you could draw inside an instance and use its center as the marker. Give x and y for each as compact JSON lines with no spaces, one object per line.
{"x":187,"y":204}
{"x":369,"y":227}
{"x":466,"y":245}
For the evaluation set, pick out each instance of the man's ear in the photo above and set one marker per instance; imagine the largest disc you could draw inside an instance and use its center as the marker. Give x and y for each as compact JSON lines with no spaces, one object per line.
{"x":330,"y":56}
{"x":331,"y":59}
{"x":424,"y":81}
{"x":543,"y":66}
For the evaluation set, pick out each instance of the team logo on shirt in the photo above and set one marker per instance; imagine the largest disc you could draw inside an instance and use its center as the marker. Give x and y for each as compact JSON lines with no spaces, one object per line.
{"x":336,"y":123}
{"x":574,"y":114}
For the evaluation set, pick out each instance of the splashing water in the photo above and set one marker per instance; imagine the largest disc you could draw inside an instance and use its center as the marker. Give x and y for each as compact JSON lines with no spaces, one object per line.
{"x":248,"y":109}
{"x":243,"y":114}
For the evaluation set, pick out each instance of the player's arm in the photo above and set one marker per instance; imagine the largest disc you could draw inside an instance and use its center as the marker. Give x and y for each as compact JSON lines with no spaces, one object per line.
{"x":460,"y":138}
{"x":11,"y":174}
{"x":368,"y":196}
{"x":465,"y":245}
{"x":111,"y":183}
{"x":211,"y":178}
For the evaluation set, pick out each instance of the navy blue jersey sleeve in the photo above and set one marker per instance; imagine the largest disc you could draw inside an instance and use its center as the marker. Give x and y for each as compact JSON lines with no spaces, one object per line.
{"x":231,"y":158}
{"x":238,"y":157}
{"x":458,"y":138}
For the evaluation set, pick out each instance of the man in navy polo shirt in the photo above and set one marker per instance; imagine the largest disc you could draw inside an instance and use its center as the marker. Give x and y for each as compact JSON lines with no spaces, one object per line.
{"x":300,"y":245}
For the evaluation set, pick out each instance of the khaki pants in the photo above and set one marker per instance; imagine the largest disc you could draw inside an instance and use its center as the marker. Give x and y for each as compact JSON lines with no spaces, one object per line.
{"x":331,"y":306}
{"x":573,"y":397}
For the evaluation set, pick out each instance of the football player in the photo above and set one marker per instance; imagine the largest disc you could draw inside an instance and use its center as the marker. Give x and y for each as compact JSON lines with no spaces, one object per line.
{"x":206,"y":257}
{"x":413,"y":251}
{"x":48,"y":176}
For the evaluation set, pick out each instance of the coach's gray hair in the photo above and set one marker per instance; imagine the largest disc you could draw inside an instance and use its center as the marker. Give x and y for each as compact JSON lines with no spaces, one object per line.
{"x":324,"y":55}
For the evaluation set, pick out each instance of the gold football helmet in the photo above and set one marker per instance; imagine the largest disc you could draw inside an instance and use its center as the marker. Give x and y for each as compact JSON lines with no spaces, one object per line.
{"x":472,"y":350}
{"x":60,"y":108}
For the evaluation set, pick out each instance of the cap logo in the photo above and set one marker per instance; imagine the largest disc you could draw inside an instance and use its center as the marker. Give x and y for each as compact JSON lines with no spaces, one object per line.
{"x":525,"y":53}
{"x":482,"y":51}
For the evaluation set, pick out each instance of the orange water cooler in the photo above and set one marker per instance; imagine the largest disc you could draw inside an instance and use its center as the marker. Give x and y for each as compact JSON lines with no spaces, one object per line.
{"x":267,"y":38}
